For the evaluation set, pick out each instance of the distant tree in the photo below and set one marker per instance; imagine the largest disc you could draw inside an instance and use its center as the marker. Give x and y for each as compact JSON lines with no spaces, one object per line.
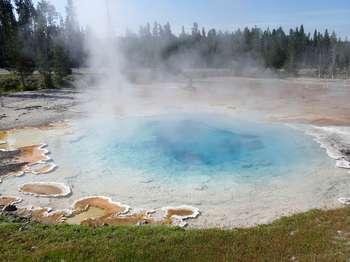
{"x":272,"y":48}
{"x":74,"y":39}
{"x":46,"y":31}
{"x":61,"y":65}
{"x":25,"y":53}
{"x":8,"y":33}
{"x":333,"y":54}
{"x":37,"y":38}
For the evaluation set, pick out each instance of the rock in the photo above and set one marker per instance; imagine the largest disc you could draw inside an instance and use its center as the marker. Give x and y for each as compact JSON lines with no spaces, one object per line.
{"x":345,"y":151}
{"x":148,"y":181}
{"x":201,"y":188}
{"x":10,"y":208}
{"x":142,"y":223}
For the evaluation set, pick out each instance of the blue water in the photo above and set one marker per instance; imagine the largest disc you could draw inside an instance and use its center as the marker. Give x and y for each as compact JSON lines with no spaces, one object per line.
{"x":181,"y":146}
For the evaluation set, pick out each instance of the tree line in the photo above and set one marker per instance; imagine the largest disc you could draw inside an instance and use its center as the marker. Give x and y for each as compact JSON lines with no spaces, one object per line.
{"x":321,"y":52}
{"x":37,"y":38}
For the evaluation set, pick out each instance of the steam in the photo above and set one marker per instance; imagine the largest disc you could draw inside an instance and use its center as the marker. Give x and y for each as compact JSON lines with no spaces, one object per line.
{"x":111,"y":88}
{"x":106,"y":86}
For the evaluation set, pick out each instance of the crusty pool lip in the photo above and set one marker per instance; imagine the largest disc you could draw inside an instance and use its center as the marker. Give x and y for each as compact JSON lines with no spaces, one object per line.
{"x":66,"y":189}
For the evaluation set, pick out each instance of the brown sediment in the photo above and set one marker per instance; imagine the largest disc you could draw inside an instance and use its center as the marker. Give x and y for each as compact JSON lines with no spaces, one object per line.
{"x":95,"y":208}
{"x":28,"y":159}
{"x":42,"y":215}
{"x":179,"y":212}
{"x":34,"y":158}
{"x":91,"y":213}
{"x":41,"y":189}
{"x":176,"y":216}
{"x":106,"y":204}
{"x":129,"y":219}
{"x":32,"y":154}
{"x":45,"y":216}
{"x":3,"y":136}
{"x":319,"y":120}
{"x":97,"y":211}
{"x":6,"y":201}
{"x":55,"y":125}
{"x":3,"y":140}
{"x":45,"y":189}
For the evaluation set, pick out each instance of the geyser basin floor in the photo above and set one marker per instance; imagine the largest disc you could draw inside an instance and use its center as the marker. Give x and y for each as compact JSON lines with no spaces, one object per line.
{"x":236,"y":172}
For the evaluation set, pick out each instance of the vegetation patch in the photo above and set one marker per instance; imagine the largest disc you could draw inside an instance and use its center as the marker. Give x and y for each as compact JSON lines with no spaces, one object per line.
{"x":12,"y":83}
{"x":312,"y":236}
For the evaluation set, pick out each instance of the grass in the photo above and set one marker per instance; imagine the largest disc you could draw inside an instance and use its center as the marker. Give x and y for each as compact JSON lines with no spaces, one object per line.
{"x":10,"y":83}
{"x":311,"y":236}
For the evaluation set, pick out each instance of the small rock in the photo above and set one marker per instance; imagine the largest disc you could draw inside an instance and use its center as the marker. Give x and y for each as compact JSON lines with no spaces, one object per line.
{"x":10,"y":208}
{"x":201,"y":188}
{"x":147,"y":181}
{"x":292,"y":233}
{"x":142,"y":223}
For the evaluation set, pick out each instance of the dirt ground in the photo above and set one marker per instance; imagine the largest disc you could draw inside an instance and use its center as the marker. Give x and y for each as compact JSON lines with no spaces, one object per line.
{"x":320,"y":102}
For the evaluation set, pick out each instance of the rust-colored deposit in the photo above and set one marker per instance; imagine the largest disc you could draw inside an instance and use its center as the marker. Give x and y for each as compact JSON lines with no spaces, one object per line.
{"x":44,"y":216}
{"x":45,"y":189}
{"x":178,"y":215}
{"x":106,"y":204}
{"x":32,"y":154}
{"x":32,"y":160}
{"x":3,"y":136}
{"x":6,"y":201}
{"x":97,"y":211}
{"x":3,"y":140}
{"x":181,"y":212}
{"x":129,"y":219}
{"x":41,"y":189}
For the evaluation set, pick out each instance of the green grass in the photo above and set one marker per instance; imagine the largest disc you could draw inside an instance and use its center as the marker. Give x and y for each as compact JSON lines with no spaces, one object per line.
{"x":312,"y":236}
{"x":10,"y":83}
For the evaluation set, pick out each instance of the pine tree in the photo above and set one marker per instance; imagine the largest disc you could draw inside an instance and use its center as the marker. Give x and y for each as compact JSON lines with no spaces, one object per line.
{"x":333,"y":54}
{"x":8,"y":33}
{"x":25,"y":64}
{"x":46,"y":31}
{"x":61,"y":66}
{"x":73,"y":36}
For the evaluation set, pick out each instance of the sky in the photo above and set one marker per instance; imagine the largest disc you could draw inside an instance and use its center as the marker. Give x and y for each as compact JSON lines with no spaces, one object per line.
{"x":220,"y":14}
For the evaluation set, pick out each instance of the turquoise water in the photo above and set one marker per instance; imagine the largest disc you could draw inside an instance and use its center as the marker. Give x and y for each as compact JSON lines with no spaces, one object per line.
{"x":237,"y":172}
{"x":184,"y":146}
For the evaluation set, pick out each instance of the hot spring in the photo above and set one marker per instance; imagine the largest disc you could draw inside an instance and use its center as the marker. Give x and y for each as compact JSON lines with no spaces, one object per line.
{"x":237,"y":172}
{"x":184,"y":148}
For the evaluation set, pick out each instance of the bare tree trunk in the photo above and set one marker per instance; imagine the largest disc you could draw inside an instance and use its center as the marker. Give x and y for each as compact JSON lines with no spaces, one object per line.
{"x":319,"y":65}
{"x":333,"y":65}
{"x":22,"y":79}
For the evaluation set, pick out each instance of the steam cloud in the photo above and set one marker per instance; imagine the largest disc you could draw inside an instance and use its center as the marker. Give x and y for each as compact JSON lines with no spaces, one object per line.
{"x":104,"y":61}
